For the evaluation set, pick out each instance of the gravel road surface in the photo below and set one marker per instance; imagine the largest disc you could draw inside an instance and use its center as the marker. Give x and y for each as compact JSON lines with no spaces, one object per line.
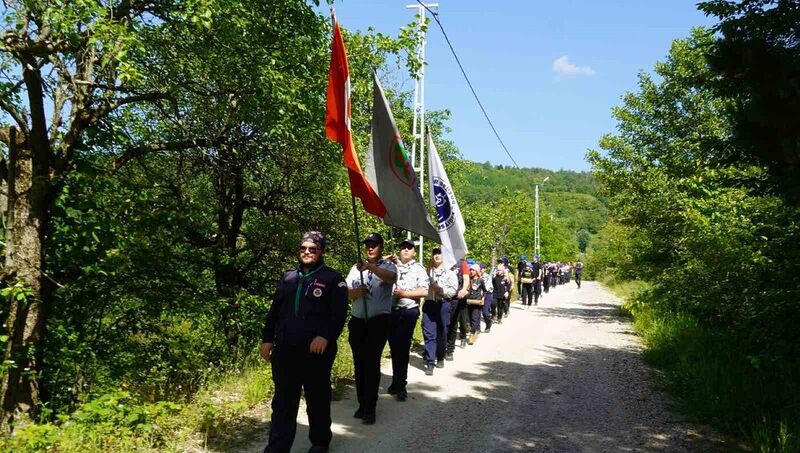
{"x":565,"y":376}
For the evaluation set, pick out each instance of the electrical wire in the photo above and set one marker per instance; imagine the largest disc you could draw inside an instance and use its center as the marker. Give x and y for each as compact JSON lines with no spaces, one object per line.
{"x":464,"y":73}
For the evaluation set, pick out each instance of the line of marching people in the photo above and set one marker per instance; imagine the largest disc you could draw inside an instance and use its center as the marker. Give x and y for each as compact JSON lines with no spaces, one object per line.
{"x":387,"y":294}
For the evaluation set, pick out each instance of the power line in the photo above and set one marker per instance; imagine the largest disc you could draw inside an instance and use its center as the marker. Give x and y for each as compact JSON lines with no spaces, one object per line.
{"x":464,"y":73}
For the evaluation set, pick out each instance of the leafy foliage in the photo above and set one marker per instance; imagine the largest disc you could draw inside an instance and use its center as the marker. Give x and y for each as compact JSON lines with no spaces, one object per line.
{"x":710,"y":236}
{"x":756,"y":61}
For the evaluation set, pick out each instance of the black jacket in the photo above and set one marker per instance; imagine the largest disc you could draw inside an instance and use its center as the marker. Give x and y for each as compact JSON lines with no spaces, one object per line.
{"x":501,"y":285}
{"x":321,"y":311}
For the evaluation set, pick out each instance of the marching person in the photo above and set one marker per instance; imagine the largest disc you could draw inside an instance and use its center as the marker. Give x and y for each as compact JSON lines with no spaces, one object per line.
{"x":436,"y":311}
{"x":370,"y":284}
{"x":488,"y":300}
{"x":536,"y":268}
{"x":412,"y":284}
{"x":502,"y":293}
{"x":475,"y":295}
{"x":545,"y":278}
{"x":512,"y":279}
{"x":521,"y":265}
{"x":307,"y":316}
{"x":578,"y":273}
{"x":458,"y":310}
{"x":527,"y":278}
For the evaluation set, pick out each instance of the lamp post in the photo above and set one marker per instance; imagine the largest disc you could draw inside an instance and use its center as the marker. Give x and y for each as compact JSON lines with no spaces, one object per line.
{"x":536,"y":239}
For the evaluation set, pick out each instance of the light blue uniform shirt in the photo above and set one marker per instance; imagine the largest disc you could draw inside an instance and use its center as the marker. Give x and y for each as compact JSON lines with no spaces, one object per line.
{"x":379,"y":293}
{"x":410,"y":276}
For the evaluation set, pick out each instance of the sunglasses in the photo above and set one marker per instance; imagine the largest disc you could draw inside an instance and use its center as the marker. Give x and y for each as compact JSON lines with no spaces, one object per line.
{"x":311,"y":249}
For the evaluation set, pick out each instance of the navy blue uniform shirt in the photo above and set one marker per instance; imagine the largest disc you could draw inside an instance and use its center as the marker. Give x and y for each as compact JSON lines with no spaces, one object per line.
{"x":307,"y":306}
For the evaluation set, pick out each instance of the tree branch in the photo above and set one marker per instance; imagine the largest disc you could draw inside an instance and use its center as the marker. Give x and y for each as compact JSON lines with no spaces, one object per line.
{"x":19,"y":118}
{"x":109,"y":106}
{"x":138,"y":151}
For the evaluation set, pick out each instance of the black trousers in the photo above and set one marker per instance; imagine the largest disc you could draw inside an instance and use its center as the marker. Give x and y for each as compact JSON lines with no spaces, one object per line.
{"x":367,"y":340}
{"x":458,"y":320}
{"x":475,"y":313}
{"x":401,"y":334}
{"x":293,"y":368}
{"x":499,"y":308}
{"x":527,"y":293}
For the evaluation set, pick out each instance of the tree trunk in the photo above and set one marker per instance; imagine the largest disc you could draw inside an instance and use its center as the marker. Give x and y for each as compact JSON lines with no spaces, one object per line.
{"x":227,"y":275}
{"x":25,"y":221}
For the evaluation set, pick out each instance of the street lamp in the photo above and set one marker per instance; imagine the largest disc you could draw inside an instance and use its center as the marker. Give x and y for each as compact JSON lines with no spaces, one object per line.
{"x":536,"y":239}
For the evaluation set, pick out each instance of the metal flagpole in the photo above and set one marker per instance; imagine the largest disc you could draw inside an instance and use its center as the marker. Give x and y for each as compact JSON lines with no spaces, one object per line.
{"x":536,"y":221}
{"x":355,"y":210}
{"x":536,"y":237}
{"x":418,"y":124}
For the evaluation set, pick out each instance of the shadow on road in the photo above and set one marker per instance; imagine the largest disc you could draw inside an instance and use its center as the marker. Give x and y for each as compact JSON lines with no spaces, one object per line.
{"x":587,"y":399}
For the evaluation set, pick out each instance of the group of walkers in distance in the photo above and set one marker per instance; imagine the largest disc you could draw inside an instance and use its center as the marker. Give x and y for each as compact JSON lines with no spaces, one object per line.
{"x":389,"y":293}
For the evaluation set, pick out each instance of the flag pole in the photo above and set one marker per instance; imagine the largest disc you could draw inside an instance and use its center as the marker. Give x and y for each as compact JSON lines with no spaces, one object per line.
{"x":355,"y":211}
{"x":358,"y":250}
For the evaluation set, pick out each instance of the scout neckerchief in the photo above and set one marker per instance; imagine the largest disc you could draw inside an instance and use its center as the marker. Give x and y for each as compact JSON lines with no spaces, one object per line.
{"x":402,"y":271}
{"x":301,"y":278}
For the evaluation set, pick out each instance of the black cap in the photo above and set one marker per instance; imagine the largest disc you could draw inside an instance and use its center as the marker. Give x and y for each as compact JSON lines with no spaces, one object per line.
{"x":374,"y":237}
{"x":407,"y":244}
{"x":436,"y":251}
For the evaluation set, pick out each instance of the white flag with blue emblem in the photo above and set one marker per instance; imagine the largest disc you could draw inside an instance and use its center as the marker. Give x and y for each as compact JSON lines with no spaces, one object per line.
{"x":451,"y":222}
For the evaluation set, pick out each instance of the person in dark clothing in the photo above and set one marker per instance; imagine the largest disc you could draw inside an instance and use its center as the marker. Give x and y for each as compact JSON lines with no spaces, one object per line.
{"x":475,"y":302}
{"x":502,"y":291}
{"x":458,"y":311}
{"x":307,"y":316}
{"x":520,"y":267}
{"x":527,"y":279}
{"x":538,"y":272}
{"x":545,"y":278}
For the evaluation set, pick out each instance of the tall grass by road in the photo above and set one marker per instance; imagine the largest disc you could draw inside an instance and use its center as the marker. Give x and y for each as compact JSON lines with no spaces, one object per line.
{"x":712,"y":380}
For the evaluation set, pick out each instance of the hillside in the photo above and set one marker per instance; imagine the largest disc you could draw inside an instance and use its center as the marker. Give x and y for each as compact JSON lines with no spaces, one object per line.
{"x":570,"y":211}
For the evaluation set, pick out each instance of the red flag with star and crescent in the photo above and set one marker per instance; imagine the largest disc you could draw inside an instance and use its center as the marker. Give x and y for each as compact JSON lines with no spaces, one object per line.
{"x":337,"y":125}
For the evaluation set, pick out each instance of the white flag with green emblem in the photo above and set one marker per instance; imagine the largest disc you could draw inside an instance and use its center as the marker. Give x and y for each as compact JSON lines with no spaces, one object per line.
{"x":389,"y":171}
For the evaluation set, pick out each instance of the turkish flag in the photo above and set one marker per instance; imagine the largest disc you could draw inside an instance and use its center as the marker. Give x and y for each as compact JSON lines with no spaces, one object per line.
{"x":337,"y":125}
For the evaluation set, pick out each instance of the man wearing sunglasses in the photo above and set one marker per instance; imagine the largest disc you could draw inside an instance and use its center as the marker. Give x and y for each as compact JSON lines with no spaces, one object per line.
{"x":306,"y":318}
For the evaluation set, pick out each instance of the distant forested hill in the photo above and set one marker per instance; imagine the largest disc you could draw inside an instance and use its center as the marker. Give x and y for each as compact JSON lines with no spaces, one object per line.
{"x":485,"y":179}
{"x":499,"y":210}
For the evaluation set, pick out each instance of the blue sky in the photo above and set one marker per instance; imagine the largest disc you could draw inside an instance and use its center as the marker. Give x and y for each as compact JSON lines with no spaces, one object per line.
{"x":548,"y":73}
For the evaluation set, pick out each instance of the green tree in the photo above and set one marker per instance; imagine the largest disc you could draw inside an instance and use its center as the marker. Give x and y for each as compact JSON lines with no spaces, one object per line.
{"x":756,"y":61}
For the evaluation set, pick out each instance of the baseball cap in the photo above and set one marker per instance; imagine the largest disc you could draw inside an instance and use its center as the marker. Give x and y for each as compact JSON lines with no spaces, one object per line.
{"x":407,"y":244}
{"x":436,"y":251}
{"x":373,"y":237}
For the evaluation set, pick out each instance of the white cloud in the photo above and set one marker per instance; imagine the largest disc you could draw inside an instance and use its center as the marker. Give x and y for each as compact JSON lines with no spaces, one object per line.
{"x":564,"y":68}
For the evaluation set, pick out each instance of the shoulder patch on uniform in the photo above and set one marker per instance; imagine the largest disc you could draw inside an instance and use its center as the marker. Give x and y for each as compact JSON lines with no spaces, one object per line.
{"x":342,"y":284}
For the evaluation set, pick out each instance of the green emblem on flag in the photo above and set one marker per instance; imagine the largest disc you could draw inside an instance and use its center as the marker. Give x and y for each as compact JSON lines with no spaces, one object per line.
{"x":401,"y":165}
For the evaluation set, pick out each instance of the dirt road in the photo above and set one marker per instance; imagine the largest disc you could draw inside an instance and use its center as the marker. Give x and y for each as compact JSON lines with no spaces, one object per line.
{"x":565,"y":376}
